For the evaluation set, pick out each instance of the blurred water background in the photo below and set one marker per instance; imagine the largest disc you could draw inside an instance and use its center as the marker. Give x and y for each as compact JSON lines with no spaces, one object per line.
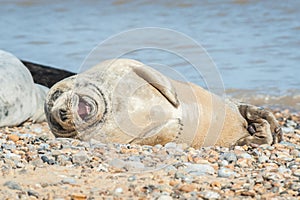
{"x":255,"y":44}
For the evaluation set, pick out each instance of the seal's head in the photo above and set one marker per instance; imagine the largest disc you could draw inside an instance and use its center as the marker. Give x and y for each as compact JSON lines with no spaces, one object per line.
{"x":72,"y":106}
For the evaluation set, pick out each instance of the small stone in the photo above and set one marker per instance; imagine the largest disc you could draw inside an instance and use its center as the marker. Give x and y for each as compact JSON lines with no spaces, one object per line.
{"x":199,"y":169}
{"x":287,"y":129}
{"x":208,"y":194}
{"x":80,"y":158}
{"x":179,"y":175}
{"x":187,"y":188}
{"x":118,"y":190}
{"x":47,"y":160}
{"x":71,"y":181}
{"x":117,"y":163}
{"x":225,"y":172}
{"x":263,"y":159}
{"x":38,"y":130}
{"x":173,"y":182}
{"x":297,"y":173}
{"x":12,"y":185}
{"x":223,"y":163}
{"x":170,"y":145}
{"x":230,"y":157}
{"x":244,"y":155}
{"x":78,"y":197}
{"x":131,"y":178}
{"x":164,"y":197}
{"x":132,"y":165}
{"x":63,"y":160}
{"x":13,"y":137}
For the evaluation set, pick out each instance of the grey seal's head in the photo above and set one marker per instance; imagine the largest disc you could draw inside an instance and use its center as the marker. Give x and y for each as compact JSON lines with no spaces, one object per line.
{"x":72,"y":106}
{"x":120,"y":101}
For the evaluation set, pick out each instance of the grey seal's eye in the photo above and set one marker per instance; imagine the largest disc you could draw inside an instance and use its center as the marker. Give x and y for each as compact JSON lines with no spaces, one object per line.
{"x":56,"y":94}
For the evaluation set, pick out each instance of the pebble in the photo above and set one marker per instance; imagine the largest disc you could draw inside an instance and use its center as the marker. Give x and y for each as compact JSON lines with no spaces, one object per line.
{"x":297,"y":173}
{"x":210,"y":195}
{"x":13,"y":137}
{"x":230,"y":157}
{"x":68,"y":181}
{"x":80,"y":158}
{"x":165,"y":197}
{"x":12,"y":185}
{"x":225,"y":172}
{"x":199,"y":169}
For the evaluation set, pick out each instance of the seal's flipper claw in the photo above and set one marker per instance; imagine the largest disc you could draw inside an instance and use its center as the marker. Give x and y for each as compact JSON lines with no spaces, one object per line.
{"x":259,"y":117}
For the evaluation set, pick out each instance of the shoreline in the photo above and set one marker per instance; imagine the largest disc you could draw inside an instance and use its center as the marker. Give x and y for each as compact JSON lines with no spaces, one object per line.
{"x":35,"y":165}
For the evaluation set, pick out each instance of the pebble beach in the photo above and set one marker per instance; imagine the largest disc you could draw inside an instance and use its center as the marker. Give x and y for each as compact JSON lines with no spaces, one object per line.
{"x":35,"y":165}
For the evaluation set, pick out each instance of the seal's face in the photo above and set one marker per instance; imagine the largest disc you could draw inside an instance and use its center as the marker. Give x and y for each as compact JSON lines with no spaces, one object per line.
{"x":72,"y":107}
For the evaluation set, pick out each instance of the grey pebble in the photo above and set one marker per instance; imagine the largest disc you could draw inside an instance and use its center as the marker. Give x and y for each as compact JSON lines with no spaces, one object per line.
{"x":199,"y":169}
{"x":287,"y":129}
{"x":164,"y":197}
{"x":244,"y":155}
{"x":47,"y":160}
{"x":118,"y":190}
{"x":223,"y":163}
{"x":291,"y":123}
{"x":117,"y":163}
{"x":12,"y":156}
{"x":68,"y":181}
{"x":132,"y":165}
{"x":9,"y":145}
{"x":179,"y":175}
{"x":170,"y":145}
{"x":208,"y":194}
{"x":12,"y":185}
{"x":263,"y":159}
{"x":63,"y":160}
{"x":297,"y":173}
{"x":80,"y":158}
{"x":225,"y":172}
{"x":131,"y":178}
{"x":230,"y":157}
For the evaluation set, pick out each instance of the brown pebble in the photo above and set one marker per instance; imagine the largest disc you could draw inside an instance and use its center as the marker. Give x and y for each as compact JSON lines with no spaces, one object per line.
{"x":173,"y":182}
{"x":78,"y":197}
{"x":187,"y":188}
{"x":216,"y":184}
{"x":13,"y":137}
{"x":250,"y":193}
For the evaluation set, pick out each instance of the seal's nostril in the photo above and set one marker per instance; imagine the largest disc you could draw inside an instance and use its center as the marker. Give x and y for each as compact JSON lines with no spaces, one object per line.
{"x":63,"y":114}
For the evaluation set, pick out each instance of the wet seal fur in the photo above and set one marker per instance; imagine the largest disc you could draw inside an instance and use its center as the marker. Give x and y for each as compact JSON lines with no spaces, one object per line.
{"x":125,"y":101}
{"x":20,"y":98}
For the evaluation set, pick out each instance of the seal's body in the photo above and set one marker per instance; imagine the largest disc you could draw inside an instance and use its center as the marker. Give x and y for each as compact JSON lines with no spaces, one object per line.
{"x":20,"y":98}
{"x":124,"y":101}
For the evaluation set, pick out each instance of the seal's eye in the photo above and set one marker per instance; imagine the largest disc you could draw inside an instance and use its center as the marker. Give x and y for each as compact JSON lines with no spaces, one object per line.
{"x":56,"y":94}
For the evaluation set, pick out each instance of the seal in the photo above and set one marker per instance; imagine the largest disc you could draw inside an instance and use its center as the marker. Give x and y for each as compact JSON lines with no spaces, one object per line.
{"x":20,"y":98}
{"x":125,"y":101}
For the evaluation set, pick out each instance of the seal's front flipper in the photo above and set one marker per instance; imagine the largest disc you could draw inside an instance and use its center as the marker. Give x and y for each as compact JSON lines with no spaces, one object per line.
{"x":257,"y":119}
{"x":160,"y":82}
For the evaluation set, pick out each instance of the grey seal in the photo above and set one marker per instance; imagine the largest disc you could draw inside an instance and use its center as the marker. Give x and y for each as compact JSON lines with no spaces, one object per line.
{"x":20,"y":98}
{"x":125,"y":101}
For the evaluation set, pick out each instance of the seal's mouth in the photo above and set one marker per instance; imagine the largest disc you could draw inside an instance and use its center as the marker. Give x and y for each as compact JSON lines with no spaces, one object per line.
{"x":84,"y":108}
